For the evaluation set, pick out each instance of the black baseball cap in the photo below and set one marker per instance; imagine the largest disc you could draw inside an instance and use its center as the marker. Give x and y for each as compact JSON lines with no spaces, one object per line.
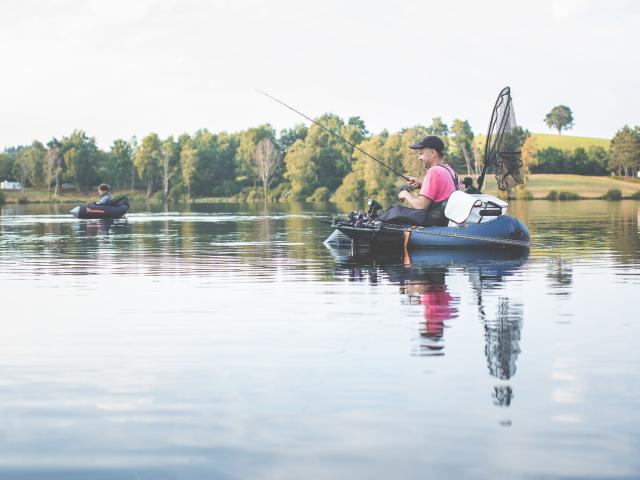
{"x":429,"y":142}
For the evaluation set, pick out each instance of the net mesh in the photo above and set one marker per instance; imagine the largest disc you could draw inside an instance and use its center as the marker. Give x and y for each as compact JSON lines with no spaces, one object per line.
{"x":502,"y":150}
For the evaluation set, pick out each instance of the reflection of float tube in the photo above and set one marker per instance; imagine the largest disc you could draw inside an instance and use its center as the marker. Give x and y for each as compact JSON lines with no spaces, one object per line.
{"x":337,"y":238}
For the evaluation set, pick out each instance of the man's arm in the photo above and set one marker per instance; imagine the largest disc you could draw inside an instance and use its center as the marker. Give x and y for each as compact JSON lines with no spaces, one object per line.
{"x":415,"y":201}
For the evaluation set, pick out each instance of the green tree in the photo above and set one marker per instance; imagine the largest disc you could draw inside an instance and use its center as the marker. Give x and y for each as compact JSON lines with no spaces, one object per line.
{"x":355,"y":130}
{"x":248,"y":140}
{"x":438,"y":127}
{"x":529,"y":154}
{"x":371,"y":179}
{"x":290,"y":135}
{"x":169,"y":160}
{"x":552,"y":160}
{"x":461,"y":146}
{"x":215,"y":165}
{"x":120,"y":161}
{"x":522,"y":133}
{"x":148,"y":160}
{"x":224,"y":183}
{"x":6,"y":166}
{"x":625,"y":151}
{"x":53,"y":166}
{"x":30,"y":164}
{"x":352,"y":187}
{"x":322,"y":160}
{"x":301,"y":170}
{"x":188,"y":165}
{"x":81,"y":158}
{"x":598,"y":160}
{"x":266,"y":159}
{"x":379,"y":181}
{"x":559,"y":118}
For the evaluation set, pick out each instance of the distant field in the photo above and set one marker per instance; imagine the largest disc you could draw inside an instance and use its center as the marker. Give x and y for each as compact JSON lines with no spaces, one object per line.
{"x":568,"y":142}
{"x":541,"y":184}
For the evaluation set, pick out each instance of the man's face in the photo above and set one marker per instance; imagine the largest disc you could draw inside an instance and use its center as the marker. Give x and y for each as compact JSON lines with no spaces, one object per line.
{"x":426,"y":156}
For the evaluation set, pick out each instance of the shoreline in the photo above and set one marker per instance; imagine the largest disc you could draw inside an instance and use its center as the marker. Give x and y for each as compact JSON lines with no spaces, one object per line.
{"x":560,"y":187}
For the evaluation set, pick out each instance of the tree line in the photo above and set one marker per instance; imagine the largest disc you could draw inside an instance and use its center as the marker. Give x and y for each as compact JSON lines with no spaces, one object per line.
{"x":299,"y":163}
{"x":622,"y":158}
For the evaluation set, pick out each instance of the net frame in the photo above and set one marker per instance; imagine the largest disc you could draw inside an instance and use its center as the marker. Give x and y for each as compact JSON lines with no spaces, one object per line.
{"x":502,"y":147}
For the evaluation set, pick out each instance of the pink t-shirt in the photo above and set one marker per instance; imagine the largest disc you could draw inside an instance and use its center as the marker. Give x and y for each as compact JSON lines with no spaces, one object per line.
{"x":438,"y":183}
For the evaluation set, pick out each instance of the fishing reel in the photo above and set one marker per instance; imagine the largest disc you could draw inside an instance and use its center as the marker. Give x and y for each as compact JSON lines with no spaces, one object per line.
{"x":406,"y":188}
{"x":357,"y":218}
{"x":374,"y":208}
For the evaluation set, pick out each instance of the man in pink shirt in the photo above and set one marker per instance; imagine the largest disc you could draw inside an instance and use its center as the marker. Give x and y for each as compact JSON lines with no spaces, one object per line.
{"x":439,"y":182}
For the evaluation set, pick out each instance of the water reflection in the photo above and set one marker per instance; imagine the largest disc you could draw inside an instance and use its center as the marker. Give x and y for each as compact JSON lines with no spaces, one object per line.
{"x":235,"y":342}
{"x":104,"y":226}
{"x":422,"y":278}
{"x":242,"y":245}
{"x":502,"y":329}
{"x":560,"y":276}
{"x":502,"y":339}
{"x":439,"y":306}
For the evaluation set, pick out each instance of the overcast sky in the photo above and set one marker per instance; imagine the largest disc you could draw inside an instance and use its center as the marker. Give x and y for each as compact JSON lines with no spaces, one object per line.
{"x":121,"y":68}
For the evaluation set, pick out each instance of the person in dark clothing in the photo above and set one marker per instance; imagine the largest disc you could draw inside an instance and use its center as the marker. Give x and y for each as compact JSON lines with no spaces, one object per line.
{"x":468,"y":185}
{"x":105,"y":196}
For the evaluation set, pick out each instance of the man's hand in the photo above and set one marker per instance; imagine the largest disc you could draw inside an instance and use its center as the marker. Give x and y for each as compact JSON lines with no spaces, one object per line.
{"x":414,"y":201}
{"x":414,"y":182}
{"x":404,"y":195}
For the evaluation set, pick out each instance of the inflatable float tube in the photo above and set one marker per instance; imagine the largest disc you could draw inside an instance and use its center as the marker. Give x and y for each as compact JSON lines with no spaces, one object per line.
{"x":503,"y":232}
{"x":116,"y":209}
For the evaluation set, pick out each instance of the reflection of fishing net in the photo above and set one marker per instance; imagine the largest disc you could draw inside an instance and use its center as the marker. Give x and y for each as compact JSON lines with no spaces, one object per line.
{"x":502,"y":150}
{"x":502,"y":337}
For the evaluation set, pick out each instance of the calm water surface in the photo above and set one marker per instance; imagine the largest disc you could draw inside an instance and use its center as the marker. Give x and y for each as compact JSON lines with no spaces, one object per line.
{"x":228,"y":342}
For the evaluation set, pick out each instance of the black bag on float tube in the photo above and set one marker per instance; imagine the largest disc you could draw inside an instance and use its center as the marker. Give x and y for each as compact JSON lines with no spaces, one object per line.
{"x":400,"y":215}
{"x":433,"y":216}
{"x":122,"y":200}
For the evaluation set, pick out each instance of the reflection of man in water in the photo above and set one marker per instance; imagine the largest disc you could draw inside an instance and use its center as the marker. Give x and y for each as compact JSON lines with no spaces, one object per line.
{"x":436,"y":301}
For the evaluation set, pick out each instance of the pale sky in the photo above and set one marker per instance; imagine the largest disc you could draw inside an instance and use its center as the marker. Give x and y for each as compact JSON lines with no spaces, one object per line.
{"x":121,"y":68}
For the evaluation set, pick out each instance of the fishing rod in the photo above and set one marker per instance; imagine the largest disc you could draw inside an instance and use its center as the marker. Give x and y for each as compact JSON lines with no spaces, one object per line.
{"x":336,"y":135}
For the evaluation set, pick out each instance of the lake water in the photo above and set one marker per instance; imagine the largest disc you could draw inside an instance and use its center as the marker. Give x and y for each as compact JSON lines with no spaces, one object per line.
{"x":227,"y":341}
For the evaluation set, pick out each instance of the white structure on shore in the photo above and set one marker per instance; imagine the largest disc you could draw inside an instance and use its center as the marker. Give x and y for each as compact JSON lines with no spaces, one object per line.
{"x":6,"y":185}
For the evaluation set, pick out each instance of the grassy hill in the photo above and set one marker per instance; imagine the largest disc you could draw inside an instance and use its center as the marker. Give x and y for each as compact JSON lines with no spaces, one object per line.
{"x":568,"y":142}
{"x":539,"y":185}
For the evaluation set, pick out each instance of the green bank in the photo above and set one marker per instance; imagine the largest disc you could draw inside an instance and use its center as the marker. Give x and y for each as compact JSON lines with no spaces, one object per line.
{"x":538,"y":186}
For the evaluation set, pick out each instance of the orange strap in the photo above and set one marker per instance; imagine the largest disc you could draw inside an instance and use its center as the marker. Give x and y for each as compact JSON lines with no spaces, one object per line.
{"x":407,"y":235}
